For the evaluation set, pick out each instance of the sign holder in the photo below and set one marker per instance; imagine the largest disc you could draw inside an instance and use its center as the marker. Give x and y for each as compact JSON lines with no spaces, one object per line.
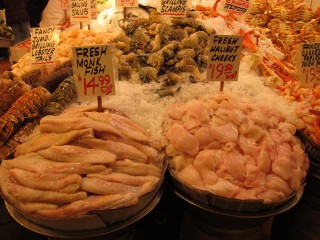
{"x":100,"y":108}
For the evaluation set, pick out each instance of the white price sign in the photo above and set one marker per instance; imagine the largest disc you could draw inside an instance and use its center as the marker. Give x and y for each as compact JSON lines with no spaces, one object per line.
{"x":127,"y":3}
{"x":43,"y":45}
{"x":173,"y":8}
{"x":93,"y":70}
{"x":224,"y":57}
{"x":309,"y":64}
{"x":80,"y":11}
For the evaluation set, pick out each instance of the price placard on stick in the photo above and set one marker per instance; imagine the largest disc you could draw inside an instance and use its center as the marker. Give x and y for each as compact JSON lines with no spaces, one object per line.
{"x":94,"y":13}
{"x":237,"y":7}
{"x":126,"y":3}
{"x":224,"y":57}
{"x":80,"y":11}
{"x":93,"y":70}
{"x":309,"y":64}
{"x":43,"y":45}
{"x":64,"y":4}
{"x":173,"y":8}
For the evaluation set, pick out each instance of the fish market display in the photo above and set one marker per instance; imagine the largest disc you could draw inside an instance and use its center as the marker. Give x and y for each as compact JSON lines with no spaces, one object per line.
{"x":232,"y":147}
{"x":81,"y":161}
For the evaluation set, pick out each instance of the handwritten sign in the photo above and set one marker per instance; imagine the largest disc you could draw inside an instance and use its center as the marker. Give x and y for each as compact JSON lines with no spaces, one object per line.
{"x":94,"y":13}
{"x":173,"y":8}
{"x":127,"y":3}
{"x":94,"y":70}
{"x":80,"y":11}
{"x":64,"y":4}
{"x":224,"y":57}
{"x":308,"y":63}
{"x":43,"y":45}
{"x":237,"y":7}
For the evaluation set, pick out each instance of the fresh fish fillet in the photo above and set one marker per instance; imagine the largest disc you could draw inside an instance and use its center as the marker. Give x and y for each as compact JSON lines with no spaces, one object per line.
{"x":125,"y":178}
{"x":21,"y":193}
{"x":102,"y":187}
{"x":137,"y":169}
{"x":28,"y":207}
{"x":70,"y":153}
{"x":33,"y":162}
{"x":151,"y":152}
{"x":122,"y":150}
{"x":45,"y":181}
{"x":46,"y":140}
{"x":58,"y":124}
{"x":93,"y":202}
{"x":123,"y":124}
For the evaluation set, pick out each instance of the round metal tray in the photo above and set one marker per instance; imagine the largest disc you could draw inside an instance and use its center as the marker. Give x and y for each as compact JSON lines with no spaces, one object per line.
{"x":238,"y":214}
{"x":109,"y":230}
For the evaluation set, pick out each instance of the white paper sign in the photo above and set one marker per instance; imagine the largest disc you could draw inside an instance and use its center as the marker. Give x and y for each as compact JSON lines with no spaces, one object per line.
{"x":43,"y":45}
{"x":237,"y":7}
{"x":94,"y":13}
{"x":224,"y":57}
{"x":64,"y":4}
{"x":80,"y":11}
{"x":173,"y":8}
{"x":93,"y":70}
{"x":309,"y":64}
{"x":126,"y":3}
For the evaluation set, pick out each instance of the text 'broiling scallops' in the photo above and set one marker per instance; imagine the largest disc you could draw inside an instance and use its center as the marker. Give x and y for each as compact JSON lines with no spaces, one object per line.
{"x":234,"y":148}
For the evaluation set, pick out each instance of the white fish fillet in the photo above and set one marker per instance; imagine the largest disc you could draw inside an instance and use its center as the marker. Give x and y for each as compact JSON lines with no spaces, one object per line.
{"x":46,"y":181}
{"x":70,"y":153}
{"x":137,"y":169}
{"x":41,"y":164}
{"x":151,"y":152}
{"x":82,"y":207}
{"x":58,"y":124}
{"x":123,"y":124}
{"x":122,"y":150}
{"x":125,"y":178}
{"x":20,"y":193}
{"x":102,"y":187}
{"x":46,"y":140}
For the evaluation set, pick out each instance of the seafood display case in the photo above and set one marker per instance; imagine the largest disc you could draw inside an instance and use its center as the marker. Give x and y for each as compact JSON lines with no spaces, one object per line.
{"x":69,"y":171}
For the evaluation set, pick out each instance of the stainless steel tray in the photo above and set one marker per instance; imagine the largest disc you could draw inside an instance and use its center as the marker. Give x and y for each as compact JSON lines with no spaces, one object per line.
{"x":109,"y":230}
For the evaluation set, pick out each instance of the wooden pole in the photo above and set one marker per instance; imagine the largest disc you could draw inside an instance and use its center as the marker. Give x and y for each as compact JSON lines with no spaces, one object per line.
{"x":99,"y":109}
{"x":221,"y":86}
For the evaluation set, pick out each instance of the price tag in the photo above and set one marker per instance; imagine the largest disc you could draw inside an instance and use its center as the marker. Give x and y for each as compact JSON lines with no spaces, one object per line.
{"x":43,"y":45}
{"x":64,"y":4}
{"x":93,"y":70}
{"x":127,"y":3}
{"x":173,"y":8}
{"x":237,"y":7}
{"x":309,"y":64}
{"x":80,"y":11}
{"x":94,"y":13}
{"x":224,"y":57}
